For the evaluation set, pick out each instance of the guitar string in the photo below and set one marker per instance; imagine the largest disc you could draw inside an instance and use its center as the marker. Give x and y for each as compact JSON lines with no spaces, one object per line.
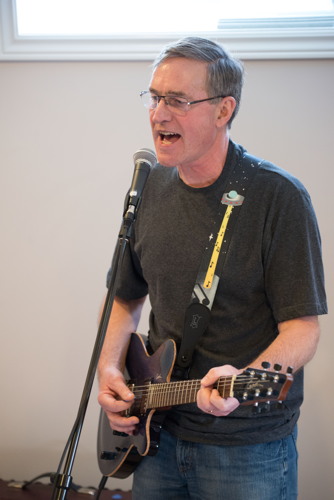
{"x":157,"y":394}
{"x":141,"y":391}
{"x":186,"y":383}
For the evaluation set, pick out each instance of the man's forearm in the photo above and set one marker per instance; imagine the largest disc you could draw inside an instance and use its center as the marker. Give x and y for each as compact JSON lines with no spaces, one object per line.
{"x":295,"y":344}
{"x":124,"y":319}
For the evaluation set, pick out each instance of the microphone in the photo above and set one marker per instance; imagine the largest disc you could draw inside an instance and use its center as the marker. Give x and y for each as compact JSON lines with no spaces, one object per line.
{"x":144,"y":160}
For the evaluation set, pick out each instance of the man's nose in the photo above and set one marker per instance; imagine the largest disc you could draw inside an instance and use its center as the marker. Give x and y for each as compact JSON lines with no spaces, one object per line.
{"x":161,"y":112}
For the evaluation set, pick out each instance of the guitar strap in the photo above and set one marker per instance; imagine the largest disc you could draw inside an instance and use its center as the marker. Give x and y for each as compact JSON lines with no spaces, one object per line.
{"x":198,"y":313}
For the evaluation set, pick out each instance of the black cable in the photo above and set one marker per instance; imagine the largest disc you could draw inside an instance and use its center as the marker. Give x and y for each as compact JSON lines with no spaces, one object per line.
{"x":101,"y":486}
{"x":27,"y":483}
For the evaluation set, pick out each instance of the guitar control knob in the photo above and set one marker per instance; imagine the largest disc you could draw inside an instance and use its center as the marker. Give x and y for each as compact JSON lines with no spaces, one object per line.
{"x":290,"y":370}
{"x":277,"y":367}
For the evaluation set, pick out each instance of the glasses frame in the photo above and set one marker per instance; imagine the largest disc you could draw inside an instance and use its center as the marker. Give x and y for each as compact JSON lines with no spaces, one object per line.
{"x":166,"y":97}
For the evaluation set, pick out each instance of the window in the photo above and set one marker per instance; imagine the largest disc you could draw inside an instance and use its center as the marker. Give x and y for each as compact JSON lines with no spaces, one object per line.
{"x":96,"y":29}
{"x":100,"y":17}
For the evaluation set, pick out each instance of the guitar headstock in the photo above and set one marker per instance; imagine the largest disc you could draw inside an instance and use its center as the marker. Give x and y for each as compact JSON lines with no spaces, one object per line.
{"x":255,"y":386}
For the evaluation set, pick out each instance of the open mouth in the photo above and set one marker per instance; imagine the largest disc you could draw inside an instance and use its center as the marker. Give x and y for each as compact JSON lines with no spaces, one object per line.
{"x":169,"y":137}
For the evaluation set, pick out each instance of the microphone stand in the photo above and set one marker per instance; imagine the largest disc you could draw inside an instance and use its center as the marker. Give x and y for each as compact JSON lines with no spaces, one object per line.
{"x":62,"y":480}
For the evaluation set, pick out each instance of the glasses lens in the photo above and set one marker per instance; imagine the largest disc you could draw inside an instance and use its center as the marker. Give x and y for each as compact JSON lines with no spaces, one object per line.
{"x":149,"y":101}
{"x":178,"y":105}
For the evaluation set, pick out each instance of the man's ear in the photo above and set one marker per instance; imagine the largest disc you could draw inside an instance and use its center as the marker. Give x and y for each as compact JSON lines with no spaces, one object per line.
{"x":225,"y":110}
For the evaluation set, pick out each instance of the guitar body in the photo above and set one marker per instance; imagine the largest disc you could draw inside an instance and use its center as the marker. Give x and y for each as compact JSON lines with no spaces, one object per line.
{"x":119,"y":453}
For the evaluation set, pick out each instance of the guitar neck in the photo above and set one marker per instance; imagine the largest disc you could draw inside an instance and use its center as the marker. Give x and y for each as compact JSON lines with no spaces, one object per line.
{"x":183,"y":392}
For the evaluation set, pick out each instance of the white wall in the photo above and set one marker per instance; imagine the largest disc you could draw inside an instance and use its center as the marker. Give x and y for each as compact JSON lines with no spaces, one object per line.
{"x":67,"y":135}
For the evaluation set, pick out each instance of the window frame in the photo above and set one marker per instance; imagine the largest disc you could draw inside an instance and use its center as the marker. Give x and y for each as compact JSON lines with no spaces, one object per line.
{"x":243,"y":40}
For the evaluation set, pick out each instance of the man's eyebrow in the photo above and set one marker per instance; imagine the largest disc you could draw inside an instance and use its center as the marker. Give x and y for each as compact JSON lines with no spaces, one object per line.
{"x":170,"y":92}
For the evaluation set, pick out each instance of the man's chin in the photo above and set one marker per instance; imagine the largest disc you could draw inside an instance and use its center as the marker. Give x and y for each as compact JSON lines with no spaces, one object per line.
{"x":166,"y":159}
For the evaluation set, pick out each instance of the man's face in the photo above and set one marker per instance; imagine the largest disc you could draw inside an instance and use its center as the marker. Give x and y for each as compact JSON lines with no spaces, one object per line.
{"x":192,"y":140}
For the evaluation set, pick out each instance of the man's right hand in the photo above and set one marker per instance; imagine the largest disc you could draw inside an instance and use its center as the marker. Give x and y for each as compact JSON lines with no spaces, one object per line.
{"x":115,"y":397}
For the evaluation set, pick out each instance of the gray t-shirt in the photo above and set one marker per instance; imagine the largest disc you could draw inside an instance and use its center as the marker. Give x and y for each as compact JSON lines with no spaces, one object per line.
{"x":273,"y":272}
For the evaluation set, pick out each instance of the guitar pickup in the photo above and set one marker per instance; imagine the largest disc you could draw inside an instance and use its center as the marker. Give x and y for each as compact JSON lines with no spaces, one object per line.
{"x":120,"y":434}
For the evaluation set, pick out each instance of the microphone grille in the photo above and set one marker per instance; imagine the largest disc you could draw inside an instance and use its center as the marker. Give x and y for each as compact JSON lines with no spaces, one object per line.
{"x":146,"y":155}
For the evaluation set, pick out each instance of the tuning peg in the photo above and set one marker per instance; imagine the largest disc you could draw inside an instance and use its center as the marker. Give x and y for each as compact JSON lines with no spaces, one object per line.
{"x":277,"y":367}
{"x":290,"y":370}
{"x":262,"y":408}
{"x":265,"y":365}
{"x":256,"y":408}
{"x":266,"y":407}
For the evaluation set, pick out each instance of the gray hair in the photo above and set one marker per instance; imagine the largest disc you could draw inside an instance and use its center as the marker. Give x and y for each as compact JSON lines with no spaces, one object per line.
{"x":224,"y":73}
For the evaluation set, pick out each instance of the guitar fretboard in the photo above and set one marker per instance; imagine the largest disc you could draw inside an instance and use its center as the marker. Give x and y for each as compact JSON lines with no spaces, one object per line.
{"x":181,"y":392}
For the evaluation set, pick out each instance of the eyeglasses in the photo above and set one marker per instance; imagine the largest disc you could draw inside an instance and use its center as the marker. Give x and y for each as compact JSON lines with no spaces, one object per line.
{"x":178,"y":105}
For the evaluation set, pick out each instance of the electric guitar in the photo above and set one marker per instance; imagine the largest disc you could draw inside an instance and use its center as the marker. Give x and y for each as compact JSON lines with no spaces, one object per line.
{"x":120,"y":453}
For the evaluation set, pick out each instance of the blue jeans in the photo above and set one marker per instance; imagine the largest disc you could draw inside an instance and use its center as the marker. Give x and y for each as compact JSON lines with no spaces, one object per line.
{"x":183,"y":470}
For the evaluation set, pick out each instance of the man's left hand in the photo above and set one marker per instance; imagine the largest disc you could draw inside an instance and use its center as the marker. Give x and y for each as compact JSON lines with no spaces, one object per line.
{"x":209,"y":400}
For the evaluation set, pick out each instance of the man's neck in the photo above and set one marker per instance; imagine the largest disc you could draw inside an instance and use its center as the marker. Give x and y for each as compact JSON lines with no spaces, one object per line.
{"x":205,"y":172}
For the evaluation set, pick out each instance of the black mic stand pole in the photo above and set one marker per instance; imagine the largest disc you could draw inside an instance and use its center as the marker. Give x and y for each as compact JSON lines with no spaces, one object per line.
{"x":62,"y":480}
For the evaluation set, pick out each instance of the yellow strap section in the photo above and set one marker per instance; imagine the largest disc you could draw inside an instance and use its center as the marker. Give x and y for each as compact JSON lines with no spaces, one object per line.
{"x":216,"y":250}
